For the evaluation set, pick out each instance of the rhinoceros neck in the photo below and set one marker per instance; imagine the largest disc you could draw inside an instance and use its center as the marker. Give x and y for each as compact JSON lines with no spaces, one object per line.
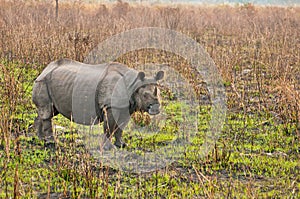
{"x":133,"y":104}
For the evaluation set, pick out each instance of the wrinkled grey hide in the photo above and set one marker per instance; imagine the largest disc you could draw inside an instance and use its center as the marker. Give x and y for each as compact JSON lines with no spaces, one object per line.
{"x":89,"y":94}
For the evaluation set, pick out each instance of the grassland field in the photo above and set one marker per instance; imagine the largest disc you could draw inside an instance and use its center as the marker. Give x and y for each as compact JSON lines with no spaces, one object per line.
{"x":257,"y":52}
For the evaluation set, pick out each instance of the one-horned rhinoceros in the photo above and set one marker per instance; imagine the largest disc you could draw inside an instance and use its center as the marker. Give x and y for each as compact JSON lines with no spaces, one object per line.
{"x":90,"y":94}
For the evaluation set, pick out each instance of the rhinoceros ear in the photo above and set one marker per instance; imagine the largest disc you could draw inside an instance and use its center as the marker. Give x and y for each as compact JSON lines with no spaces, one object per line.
{"x":159,"y":75}
{"x":141,"y":76}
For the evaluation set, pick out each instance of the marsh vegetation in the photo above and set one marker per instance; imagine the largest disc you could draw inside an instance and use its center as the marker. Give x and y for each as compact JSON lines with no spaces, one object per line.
{"x":257,"y":51}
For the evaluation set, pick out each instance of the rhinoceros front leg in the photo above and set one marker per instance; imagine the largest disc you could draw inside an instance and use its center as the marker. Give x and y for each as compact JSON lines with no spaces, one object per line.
{"x":113,"y":128}
{"x":123,"y":119}
{"x":118,"y":136}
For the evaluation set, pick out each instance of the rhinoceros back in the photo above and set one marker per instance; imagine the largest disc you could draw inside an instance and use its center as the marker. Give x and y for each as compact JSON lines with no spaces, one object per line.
{"x":72,"y":87}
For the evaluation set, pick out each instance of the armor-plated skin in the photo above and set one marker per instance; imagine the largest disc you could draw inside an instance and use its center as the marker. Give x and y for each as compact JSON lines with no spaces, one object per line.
{"x":89,"y":94}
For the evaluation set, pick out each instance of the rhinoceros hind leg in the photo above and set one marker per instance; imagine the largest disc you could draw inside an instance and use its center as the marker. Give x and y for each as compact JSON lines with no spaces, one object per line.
{"x":43,"y":122}
{"x":38,"y":125}
{"x":43,"y":128}
{"x":46,"y":110}
{"x":47,"y":129}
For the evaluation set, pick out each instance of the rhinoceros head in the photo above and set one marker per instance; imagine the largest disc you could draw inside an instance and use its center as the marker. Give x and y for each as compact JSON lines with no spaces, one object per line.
{"x":146,"y":96}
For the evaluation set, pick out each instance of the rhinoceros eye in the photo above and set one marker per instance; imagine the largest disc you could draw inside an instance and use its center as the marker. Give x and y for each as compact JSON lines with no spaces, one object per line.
{"x":147,"y":94}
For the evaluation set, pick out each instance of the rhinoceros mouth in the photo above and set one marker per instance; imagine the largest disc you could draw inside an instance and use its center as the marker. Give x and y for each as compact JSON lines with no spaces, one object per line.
{"x":153,"y":109}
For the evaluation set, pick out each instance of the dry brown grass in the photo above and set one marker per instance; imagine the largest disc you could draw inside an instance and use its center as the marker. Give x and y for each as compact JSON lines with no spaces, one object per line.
{"x":262,"y":41}
{"x":257,"y":51}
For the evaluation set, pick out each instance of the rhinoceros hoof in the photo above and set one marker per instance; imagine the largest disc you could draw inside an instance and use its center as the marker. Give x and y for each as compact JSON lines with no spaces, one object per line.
{"x":106,"y":144}
{"x":120,"y":144}
{"x":50,"y":144}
